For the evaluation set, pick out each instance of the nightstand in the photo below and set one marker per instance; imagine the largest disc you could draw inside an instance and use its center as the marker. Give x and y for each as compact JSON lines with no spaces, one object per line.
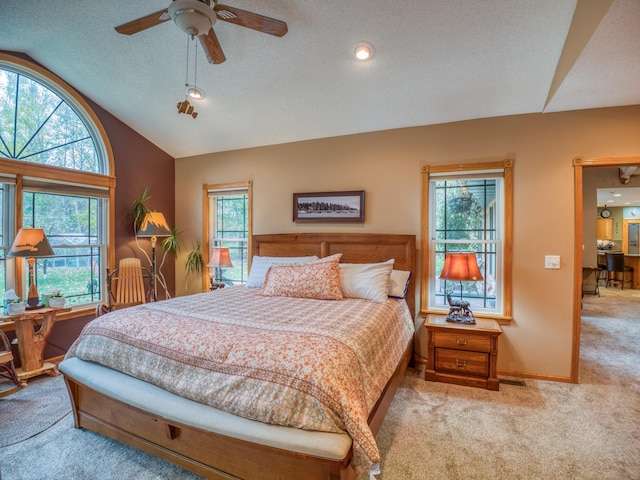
{"x":462,"y":354}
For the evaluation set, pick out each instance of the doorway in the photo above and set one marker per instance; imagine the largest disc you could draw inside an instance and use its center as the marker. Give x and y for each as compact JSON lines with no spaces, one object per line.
{"x":579,"y":164}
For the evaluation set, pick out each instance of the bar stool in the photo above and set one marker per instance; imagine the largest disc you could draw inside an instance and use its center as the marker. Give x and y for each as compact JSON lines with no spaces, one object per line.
{"x":615,"y":265}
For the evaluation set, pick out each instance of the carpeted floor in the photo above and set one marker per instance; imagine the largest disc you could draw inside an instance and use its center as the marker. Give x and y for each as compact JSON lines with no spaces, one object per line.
{"x":544,"y":430}
{"x":23,"y":415}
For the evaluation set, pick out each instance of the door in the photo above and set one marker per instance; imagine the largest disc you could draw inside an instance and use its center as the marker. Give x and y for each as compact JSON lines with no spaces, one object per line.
{"x":633,"y":229}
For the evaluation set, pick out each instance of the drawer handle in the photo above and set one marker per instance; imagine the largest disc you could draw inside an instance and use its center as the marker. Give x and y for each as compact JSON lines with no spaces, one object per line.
{"x":461,"y":341}
{"x":461,"y":363}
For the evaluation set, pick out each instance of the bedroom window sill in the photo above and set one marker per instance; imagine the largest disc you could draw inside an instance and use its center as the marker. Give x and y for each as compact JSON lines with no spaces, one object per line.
{"x":502,"y":320}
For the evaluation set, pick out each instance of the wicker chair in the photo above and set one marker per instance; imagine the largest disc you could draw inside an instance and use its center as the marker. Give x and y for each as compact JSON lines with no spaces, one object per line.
{"x":7,"y":368}
{"x":126,"y":286}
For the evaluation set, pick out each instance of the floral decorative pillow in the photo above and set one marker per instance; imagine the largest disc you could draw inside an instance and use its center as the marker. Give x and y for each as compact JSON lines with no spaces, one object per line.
{"x":335,"y":258}
{"x":319,"y":280}
{"x":260,"y":265}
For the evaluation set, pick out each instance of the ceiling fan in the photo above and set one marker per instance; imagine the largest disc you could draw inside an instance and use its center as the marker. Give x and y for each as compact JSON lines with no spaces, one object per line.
{"x":197,"y":17}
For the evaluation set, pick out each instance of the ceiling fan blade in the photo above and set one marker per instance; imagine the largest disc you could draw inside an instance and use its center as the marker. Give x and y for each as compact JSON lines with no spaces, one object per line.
{"x":143,"y":23}
{"x":251,"y":20}
{"x":212,"y":48}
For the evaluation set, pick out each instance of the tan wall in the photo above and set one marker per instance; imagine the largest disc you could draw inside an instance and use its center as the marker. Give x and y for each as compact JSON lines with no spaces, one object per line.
{"x":387,"y":166}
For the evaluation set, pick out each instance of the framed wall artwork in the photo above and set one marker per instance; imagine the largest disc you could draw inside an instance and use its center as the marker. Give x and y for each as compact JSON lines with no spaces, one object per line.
{"x":329,"y":207}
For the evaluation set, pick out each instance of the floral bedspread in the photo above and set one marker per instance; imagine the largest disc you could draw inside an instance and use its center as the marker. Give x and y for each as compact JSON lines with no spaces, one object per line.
{"x":310,"y":364}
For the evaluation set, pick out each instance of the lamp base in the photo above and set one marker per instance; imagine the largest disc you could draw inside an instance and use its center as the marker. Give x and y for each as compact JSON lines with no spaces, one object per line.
{"x":459,"y":311}
{"x":215,"y":285}
{"x":455,"y":316}
{"x":35,"y":307}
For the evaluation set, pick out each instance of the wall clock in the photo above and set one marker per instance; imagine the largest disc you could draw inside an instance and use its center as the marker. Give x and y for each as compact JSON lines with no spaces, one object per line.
{"x":605,"y":213}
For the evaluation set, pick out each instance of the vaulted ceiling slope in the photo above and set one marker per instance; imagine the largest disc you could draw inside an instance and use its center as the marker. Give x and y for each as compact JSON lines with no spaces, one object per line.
{"x":435,"y":61}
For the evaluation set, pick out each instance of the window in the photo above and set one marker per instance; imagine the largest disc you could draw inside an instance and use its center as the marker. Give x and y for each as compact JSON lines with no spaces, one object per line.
{"x":73,"y":225}
{"x":6,"y":210}
{"x":467,"y":208}
{"x":228,"y":224}
{"x":54,"y":174}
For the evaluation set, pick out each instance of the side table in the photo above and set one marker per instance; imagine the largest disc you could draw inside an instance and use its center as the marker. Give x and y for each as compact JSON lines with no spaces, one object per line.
{"x":461,"y":353}
{"x":591,"y":288}
{"x":31,"y":343}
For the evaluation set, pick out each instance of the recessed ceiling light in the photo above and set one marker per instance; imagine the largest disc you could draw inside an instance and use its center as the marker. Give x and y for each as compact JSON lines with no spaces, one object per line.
{"x":364,"y":51}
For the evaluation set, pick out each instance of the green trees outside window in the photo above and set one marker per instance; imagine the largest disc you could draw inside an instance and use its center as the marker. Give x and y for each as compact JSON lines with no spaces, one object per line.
{"x":43,"y":123}
{"x":465,"y":221}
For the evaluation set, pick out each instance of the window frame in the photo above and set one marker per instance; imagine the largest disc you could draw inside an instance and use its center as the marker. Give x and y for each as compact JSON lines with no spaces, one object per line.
{"x":206,"y":224}
{"x":427,"y":275}
{"x":65,"y":178}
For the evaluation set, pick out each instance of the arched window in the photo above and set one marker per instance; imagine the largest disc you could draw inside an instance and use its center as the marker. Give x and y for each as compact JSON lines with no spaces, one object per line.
{"x":56,"y":173}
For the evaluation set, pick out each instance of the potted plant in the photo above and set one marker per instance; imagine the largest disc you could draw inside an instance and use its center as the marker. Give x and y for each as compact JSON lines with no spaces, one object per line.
{"x":194,"y":263}
{"x":13,"y":305}
{"x":56,"y":300}
{"x":138,"y":209}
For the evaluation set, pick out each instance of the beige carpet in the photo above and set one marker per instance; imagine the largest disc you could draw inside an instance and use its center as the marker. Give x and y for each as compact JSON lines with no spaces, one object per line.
{"x":545,"y":430}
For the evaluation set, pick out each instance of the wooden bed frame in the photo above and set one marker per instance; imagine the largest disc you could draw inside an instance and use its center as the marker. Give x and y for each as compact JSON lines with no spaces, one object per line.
{"x":219,"y":457}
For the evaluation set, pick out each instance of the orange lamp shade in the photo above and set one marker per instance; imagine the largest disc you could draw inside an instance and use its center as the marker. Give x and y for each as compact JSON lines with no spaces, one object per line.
{"x":461,"y":266}
{"x":31,"y":242}
{"x":220,"y":258}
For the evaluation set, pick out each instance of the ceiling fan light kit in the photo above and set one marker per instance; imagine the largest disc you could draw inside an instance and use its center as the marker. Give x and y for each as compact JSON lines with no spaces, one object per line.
{"x":195,"y":92}
{"x":192,"y":17}
{"x":197,"y":18}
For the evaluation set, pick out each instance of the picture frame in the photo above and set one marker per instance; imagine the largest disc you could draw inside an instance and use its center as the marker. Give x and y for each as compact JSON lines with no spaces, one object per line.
{"x":329,"y":207}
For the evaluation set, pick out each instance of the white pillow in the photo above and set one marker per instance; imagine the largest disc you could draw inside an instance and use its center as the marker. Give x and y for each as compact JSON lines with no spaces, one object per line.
{"x":399,"y":283}
{"x":260,"y":265}
{"x":366,"y":280}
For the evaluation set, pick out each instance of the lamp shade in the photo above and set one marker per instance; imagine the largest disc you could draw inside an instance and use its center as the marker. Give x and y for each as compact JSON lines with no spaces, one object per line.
{"x":154,"y":225}
{"x":220,"y":258}
{"x":31,"y":242}
{"x":461,"y":266}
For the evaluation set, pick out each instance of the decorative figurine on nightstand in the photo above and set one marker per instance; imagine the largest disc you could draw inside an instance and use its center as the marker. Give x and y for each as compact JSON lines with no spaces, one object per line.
{"x":459,"y":311}
{"x":464,"y":268}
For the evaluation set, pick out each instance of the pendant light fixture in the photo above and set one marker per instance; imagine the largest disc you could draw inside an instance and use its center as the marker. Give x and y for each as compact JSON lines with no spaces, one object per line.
{"x":192,"y":90}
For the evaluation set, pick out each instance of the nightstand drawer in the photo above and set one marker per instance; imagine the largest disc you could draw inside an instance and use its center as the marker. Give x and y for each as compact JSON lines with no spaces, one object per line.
{"x":462,"y":341}
{"x":470,"y":363}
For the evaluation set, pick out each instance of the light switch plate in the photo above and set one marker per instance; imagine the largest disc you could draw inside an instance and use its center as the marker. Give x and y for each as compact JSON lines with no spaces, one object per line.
{"x":552,"y":261}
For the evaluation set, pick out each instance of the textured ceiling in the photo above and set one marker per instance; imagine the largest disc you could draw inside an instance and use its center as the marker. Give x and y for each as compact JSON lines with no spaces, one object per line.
{"x":436,"y":61}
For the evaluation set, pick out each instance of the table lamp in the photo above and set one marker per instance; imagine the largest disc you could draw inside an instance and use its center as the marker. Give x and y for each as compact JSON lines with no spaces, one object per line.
{"x":154,"y":225}
{"x":219,"y":259}
{"x":31,"y":243}
{"x":464,"y":268}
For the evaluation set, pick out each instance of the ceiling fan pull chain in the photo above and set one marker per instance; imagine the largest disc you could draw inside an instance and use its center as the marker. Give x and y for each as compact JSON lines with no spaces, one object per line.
{"x":186,"y":78}
{"x":195,"y":71}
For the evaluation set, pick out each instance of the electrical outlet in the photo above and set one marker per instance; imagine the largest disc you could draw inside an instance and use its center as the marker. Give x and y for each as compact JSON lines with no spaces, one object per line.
{"x":552,"y":261}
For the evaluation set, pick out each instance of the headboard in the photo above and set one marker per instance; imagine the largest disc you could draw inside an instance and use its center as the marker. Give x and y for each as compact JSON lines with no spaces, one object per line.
{"x":355,"y":248}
